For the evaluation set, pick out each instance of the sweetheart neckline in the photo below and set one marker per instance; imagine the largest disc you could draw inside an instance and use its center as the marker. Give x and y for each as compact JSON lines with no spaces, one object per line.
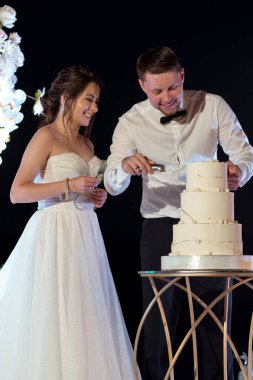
{"x":76,"y":154}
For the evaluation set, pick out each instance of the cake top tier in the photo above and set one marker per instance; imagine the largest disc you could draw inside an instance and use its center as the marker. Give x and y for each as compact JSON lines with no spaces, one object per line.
{"x":206,"y":176}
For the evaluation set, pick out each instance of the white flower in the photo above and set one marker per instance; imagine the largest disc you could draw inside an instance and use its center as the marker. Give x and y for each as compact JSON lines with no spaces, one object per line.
{"x":3,"y":37}
{"x":20,"y":95}
{"x":15,"y":38}
{"x":7,"y":16}
{"x":38,"y":108}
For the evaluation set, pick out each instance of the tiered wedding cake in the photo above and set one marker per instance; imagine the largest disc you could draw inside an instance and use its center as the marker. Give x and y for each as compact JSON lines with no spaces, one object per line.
{"x":207,"y":236}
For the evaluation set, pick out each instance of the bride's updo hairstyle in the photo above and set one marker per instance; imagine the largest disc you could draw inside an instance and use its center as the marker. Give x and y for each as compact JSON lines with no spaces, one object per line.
{"x":70,"y":82}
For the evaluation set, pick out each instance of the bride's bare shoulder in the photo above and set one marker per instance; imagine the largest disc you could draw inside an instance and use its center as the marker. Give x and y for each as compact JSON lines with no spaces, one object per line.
{"x":45,"y":132}
{"x":42,"y":137}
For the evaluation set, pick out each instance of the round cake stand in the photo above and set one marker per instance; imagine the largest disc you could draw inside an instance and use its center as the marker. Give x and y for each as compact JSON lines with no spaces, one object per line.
{"x":187,"y":267}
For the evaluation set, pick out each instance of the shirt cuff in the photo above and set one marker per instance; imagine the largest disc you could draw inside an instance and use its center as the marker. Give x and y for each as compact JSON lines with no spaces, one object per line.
{"x":116,"y":180}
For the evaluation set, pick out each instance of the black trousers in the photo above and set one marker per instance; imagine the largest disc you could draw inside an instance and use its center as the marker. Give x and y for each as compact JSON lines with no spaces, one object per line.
{"x":156,"y":239}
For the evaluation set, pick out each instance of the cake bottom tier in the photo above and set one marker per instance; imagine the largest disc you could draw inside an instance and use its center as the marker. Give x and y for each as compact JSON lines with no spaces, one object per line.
{"x":207,"y":239}
{"x":240,"y":263}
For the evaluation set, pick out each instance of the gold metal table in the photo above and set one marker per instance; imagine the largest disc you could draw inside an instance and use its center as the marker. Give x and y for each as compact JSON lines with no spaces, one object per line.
{"x":234,"y":279}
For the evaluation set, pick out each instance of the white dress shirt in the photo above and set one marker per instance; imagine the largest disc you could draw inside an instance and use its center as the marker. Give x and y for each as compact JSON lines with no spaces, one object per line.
{"x":192,"y":137}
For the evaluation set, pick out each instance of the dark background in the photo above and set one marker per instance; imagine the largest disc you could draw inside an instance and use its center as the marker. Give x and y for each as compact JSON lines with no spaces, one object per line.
{"x":214,"y":40}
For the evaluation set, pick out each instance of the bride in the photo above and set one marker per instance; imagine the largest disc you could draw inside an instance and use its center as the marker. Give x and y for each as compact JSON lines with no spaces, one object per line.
{"x":60,"y":316}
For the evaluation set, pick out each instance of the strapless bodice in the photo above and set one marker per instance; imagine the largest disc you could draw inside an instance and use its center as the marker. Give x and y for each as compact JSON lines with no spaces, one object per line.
{"x":69,"y":165}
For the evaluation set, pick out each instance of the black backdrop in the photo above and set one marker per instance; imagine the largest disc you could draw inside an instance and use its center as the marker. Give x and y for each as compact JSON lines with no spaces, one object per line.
{"x":215,"y":42}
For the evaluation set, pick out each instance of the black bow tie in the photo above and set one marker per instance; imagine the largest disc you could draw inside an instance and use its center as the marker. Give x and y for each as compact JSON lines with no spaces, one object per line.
{"x":166,"y":119}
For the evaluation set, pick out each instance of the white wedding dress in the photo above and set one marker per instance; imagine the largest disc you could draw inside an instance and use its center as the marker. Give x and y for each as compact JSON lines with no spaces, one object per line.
{"x":60,"y":317}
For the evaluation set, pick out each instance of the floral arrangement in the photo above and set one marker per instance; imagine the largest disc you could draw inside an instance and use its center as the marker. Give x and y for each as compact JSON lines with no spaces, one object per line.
{"x":11,"y":57}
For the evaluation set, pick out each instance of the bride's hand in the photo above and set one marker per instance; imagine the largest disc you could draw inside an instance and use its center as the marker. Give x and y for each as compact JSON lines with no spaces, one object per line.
{"x":82,"y":184}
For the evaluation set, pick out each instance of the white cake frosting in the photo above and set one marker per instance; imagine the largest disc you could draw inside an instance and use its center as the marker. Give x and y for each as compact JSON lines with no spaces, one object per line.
{"x":206,"y":239}
{"x":206,"y":176}
{"x":207,"y":226}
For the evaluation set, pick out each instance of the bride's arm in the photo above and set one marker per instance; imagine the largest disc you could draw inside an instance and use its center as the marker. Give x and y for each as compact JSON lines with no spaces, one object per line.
{"x":23,"y":189}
